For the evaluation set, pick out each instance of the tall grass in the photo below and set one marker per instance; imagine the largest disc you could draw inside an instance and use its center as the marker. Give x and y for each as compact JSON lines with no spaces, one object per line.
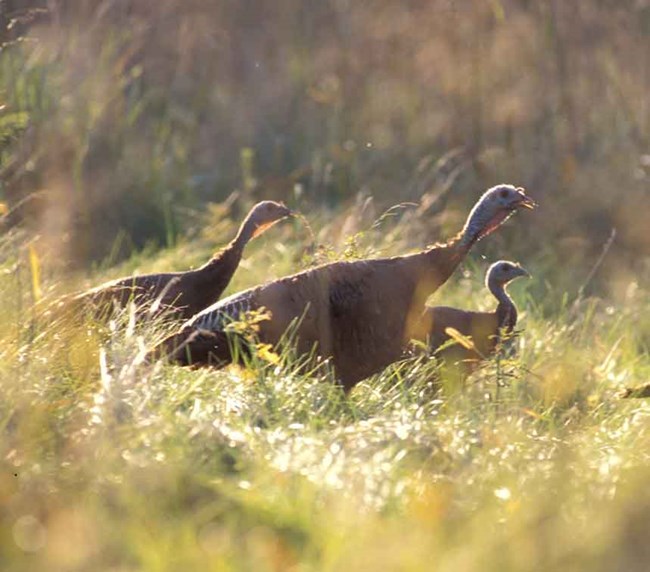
{"x":107,"y":464}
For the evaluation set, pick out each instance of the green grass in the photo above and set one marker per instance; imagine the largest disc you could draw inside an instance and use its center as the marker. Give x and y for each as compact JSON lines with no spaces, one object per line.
{"x":119,"y":122}
{"x":110,"y":465}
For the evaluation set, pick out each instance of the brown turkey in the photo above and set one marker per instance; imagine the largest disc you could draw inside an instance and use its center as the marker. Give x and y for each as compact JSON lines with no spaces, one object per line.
{"x":484,"y":329}
{"x":184,"y":294}
{"x":360,"y":314}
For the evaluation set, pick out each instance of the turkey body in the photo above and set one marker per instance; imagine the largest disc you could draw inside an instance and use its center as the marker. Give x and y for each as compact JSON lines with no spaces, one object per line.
{"x":359,"y":314}
{"x":486,"y":330}
{"x":184,"y":294}
{"x":481,"y":327}
{"x":179,"y":294}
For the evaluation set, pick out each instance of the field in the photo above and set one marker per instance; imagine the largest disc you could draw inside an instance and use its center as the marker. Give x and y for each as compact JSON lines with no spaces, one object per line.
{"x":124,"y":129}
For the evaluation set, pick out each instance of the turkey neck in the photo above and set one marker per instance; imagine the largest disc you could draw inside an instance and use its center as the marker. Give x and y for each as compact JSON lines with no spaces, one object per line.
{"x":429,"y":270}
{"x":506,"y":310}
{"x":445,"y":258}
{"x":214,"y":276}
{"x":436,"y":264}
{"x":440,"y":261}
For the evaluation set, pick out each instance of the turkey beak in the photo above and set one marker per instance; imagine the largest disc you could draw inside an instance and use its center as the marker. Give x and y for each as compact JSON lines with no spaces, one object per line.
{"x":286,"y":211}
{"x":523,"y":272}
{"x":528,"y":203}
{"x":524,"y":200}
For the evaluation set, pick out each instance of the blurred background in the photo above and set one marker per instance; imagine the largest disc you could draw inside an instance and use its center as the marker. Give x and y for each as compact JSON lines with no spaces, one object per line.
{"x":119,"y":121}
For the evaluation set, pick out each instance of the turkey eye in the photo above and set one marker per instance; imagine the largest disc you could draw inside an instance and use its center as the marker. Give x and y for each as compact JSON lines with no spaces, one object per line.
{"x":503,"y":194}
{"x":507,"y":267}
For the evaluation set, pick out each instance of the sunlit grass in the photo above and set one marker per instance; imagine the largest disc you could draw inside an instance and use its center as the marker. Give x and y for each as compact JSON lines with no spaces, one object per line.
{"x":108,"y":463}
{"x":124,"y":126}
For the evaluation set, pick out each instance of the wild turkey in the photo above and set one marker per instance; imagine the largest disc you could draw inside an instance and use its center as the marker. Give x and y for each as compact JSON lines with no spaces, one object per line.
{"x":484,"y":329}
{"x":360,"y":314}
{"x":186,"y":293}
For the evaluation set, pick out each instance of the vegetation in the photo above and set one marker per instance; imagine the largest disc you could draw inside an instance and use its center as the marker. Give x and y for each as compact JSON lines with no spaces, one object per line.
{"x":124,"y":126}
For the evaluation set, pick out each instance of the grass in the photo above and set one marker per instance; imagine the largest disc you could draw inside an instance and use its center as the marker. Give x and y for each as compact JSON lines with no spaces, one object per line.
{"x":120,"y":121}
{"x":107,"y":465}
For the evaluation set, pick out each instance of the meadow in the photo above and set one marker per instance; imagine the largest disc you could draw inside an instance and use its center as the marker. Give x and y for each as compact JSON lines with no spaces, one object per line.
{"x":124,"y":128}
